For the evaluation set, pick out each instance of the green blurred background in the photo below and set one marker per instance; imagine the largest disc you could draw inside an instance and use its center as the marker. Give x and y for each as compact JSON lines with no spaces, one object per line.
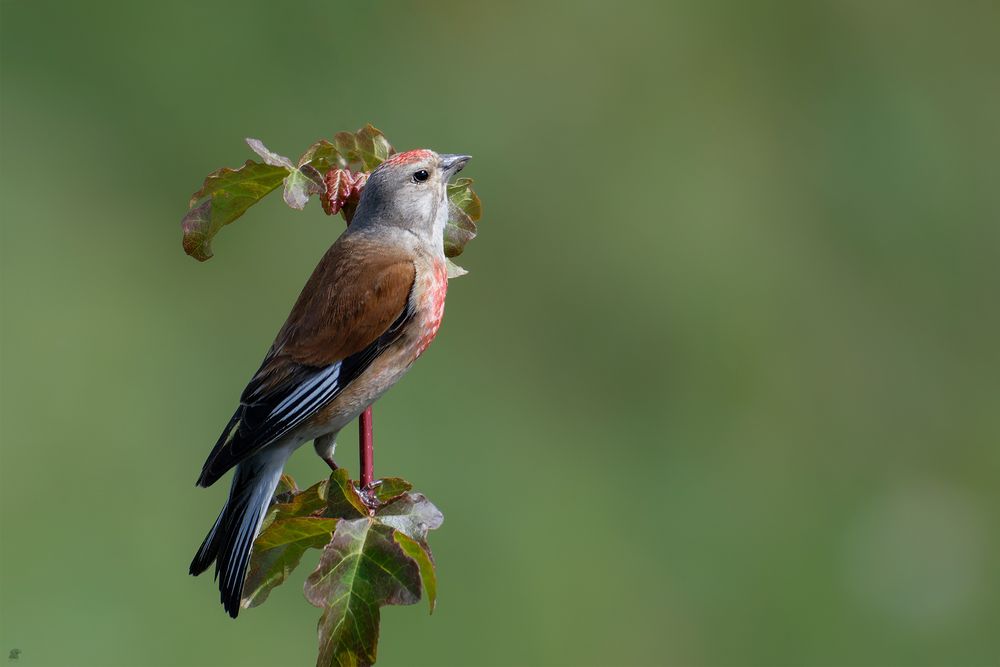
{"x":721,"y":387}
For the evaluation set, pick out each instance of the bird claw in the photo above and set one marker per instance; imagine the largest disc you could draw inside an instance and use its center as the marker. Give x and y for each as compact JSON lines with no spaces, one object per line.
{"x":369,"y":495}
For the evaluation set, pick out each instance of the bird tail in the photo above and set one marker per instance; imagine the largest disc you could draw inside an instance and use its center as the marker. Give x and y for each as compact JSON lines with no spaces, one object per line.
{"x":229,"y":542}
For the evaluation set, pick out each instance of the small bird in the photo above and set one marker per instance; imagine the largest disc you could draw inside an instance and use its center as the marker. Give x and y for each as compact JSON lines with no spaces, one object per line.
{"x":371,"y":307}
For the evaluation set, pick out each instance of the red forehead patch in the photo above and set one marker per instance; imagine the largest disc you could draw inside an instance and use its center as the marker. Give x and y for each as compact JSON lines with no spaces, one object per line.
{"x":409,"y":156}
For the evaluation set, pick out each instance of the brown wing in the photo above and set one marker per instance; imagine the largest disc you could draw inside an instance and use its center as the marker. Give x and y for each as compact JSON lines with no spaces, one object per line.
{"x":354,"y":294}
{"x":351,"y":308}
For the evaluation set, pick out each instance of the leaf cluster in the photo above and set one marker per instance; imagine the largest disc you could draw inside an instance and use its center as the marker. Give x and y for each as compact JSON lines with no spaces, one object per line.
{"x":374,"y":553}
{"x":227,"y":193}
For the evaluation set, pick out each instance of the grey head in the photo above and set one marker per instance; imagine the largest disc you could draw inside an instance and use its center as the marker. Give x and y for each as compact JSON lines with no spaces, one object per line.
{"x":410,"y":190}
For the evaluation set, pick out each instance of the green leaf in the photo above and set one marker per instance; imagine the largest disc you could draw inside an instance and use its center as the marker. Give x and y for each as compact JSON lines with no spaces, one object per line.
{"x":225,"y":195}
{"x":304,"y":180}
{"x":278,"y":550}
{"x":342,"y":499}
{"x":375,"y":553}
{"x":390,"y":488}
{"x":463,"y":210}
{"x":347,"y":145}
{"x":413,"y":515}
{"x":461,"y":195}
{"x":286,"y":490}
{"x":365,"y":149}
{"x":425,"y":564}
{"x":361,"y":569}
{"x":295,"y":504}
{"x":372,"y":146}
{"x":458,"y":232}
{"x":308,"y":179}
{"x":286,"y":484}
{"x":290,"y":527}
{"x":302,"y":184}
{"x":323,"y":156}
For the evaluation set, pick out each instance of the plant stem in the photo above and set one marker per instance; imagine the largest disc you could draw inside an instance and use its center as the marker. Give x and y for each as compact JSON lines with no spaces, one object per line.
{"x":366,"y":437}
{"x":366,"y":448}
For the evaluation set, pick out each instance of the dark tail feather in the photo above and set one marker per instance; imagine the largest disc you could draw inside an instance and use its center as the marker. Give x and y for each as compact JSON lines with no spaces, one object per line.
{"x":217,"y":464}
{"x":229,"y":542}
{"x":209,"y":548}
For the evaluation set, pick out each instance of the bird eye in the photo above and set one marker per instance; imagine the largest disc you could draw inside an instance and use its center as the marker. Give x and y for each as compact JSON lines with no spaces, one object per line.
{"x":420,"y":176}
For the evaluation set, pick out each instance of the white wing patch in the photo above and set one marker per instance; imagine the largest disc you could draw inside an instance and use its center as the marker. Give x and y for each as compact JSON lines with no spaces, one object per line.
{"x":309,"y":395}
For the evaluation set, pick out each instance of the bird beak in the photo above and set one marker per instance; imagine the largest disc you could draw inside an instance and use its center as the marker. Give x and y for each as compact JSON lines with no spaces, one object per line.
{"x":452,"y":164}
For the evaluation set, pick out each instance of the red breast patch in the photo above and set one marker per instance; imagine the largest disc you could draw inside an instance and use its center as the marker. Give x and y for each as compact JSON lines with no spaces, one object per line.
{"x":434,"y":300}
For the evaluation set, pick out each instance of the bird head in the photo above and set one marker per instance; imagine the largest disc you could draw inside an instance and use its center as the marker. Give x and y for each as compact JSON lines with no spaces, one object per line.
{"x":410,"y":190}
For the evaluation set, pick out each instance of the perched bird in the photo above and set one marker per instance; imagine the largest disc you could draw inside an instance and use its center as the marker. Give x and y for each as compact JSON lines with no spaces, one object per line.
{"x":371,"y":307}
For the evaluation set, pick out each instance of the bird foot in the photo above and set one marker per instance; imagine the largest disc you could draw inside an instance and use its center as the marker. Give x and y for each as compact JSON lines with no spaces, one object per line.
{"x":369,"y":495}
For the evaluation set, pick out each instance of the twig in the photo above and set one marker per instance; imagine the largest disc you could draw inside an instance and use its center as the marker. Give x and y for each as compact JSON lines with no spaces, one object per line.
{"x":366,"y":438}
{"x":366,"y":448}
